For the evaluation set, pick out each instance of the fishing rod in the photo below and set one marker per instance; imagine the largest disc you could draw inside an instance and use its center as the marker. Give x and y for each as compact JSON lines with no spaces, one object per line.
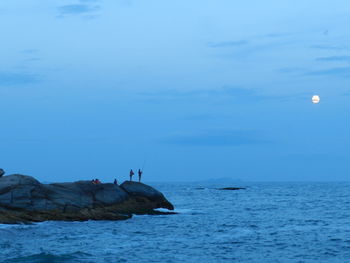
{"x":143,"y":165}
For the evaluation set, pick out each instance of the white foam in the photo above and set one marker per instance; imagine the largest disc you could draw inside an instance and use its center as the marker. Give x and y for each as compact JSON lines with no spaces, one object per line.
{"x":180,"y":211}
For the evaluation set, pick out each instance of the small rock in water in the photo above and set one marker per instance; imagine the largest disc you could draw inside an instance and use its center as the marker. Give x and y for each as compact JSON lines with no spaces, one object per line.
{"x":232,"y":188}
{"x":2,"y":172}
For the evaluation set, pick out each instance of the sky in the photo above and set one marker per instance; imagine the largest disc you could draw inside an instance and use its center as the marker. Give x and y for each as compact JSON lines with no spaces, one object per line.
{"x":188,"y":90}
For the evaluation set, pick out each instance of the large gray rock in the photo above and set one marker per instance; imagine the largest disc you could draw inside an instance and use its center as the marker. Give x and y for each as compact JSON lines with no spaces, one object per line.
{"x":19,"y":191}
{"x":137,"y":189}
{"x":23,"y":198}
{"x":16,"y":191}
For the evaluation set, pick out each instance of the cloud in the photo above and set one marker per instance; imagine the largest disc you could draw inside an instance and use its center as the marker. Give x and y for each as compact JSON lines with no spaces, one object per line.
{"x":48,"y":139}
{"x":32,"y":59}
{"x":125,"y":2}
{"x":337,"y":71}
{"x":328,"y":47}
{"x":221,"y":93}
{"x":12,"y":79}
{"x":29,"y":51}
{"x":233,"y":91}
{"x":228,"y":44}
{"x":291,"y":70}
{"x":199,"y":117}
{"x":341,"y":71}
{"x":251,"y":45}
{"x":225,"y":93}
{"x":241,"y":49}
{"x":246,"y":42}
{"x":276,"y":35}
{"x":253,"y":95}
{"x":313,"y":157}
{"x":334,"y":58}
{"x":225,"y":90}
{"x":77,"y":9}
{"x":217,"y":138}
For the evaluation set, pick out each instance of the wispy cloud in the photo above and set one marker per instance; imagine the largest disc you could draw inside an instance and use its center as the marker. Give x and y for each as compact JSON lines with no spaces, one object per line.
{"x":248,"y":41}
{"x":225,"y":93}
{"x":275,"y":35}
{"x":200,"y":117}
{"x":197,"y":94}
{"x":228,"y":44}
{"x":32,"y":59}
{"x":291,"y":70}
{"x":77,"y":9}
{"x":335,"y":71}
{"x":45,"y":139}
{"x":217,"y":138}
{"x":251,"y":45}
{"x":82,"y":7}
{"x":341,"y":71}
{"x":245,"y":48}
{"x":29,"y":51}
{"x":12,"y":79}
{"x":334,"y":58}
{"x":125,"y":2}
{"x":30,"y":55}
{"x":329,"y":47}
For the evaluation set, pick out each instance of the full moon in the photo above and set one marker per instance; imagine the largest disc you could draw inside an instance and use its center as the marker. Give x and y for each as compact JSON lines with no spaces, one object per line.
{"x":315,"y":99}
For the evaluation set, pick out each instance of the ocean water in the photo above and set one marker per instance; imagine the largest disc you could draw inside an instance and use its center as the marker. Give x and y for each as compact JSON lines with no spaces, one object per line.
{"x":267,"y":222}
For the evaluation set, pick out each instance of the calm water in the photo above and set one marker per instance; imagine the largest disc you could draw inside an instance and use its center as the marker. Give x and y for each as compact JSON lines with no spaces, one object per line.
{"x":268,"y":222}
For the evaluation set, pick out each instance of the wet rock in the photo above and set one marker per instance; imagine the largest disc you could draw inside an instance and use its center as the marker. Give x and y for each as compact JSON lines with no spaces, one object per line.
{"x":24,"y":199}
{"x":2,"y":172}
{"x":140,"y":190}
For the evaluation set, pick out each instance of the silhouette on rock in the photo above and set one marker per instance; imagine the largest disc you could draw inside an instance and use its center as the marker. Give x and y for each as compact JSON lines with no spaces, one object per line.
{"x":24,"y":199}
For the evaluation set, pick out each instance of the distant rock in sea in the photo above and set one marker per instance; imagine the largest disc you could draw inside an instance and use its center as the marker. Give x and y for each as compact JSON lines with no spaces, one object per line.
{"x":24,"y":199}
{"x":232,"y":188}
{"x":221,"y":180}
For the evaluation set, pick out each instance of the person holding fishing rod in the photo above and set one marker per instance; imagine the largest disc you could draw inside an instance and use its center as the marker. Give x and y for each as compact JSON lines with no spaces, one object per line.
{"x":140,"y":171}
{"x":131,"y":174}
{"x":140,"y":174}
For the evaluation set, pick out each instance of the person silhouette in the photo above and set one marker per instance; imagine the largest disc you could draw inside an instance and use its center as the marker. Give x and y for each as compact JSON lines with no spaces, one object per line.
{"x":131,"y":174}
{"x":140,"y":174}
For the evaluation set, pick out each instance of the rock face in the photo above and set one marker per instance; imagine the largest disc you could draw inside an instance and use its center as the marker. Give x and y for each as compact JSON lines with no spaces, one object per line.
{"x":24,"y":199}
{"x":141,"y":191}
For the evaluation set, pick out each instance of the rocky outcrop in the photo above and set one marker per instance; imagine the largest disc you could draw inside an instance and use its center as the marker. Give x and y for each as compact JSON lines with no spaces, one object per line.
{"x":24,"y":199}
{"x":2,"y":172}
{"x":140,"y":191}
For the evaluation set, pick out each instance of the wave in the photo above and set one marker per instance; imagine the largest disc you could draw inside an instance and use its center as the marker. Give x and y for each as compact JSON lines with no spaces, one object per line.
{"x":51,"y":258}
{"x":180,"y":210}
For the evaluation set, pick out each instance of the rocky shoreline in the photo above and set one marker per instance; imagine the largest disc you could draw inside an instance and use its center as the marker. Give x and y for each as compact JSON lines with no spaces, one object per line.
{"x":23,"y":199}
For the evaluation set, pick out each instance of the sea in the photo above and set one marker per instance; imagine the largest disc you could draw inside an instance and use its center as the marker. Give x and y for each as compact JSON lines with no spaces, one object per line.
{"x":266,"y":222}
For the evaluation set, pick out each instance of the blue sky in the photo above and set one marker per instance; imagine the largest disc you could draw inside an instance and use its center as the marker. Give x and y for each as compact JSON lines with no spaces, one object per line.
{"x":195,"y":89}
